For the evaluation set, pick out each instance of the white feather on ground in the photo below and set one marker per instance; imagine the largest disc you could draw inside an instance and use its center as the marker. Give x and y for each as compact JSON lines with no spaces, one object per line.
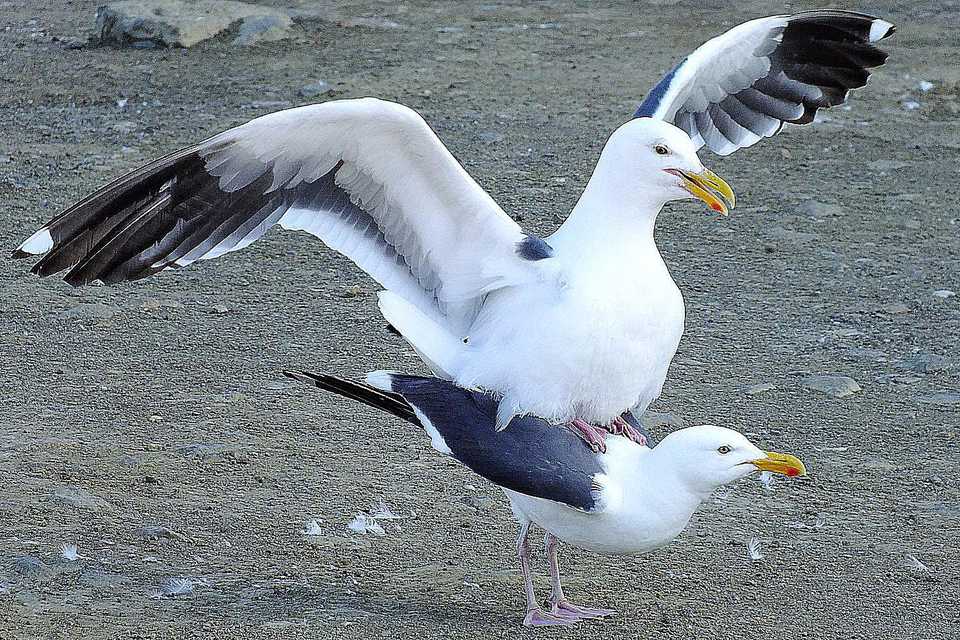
{"x":173,"y":587}
{"x":70,"y":552}
{"x":753,"y":549}
{"x":312,"y":529}
{"x":381,"y":511}
{"x":364,"y":524}
{"x":817,"y":524}
{"x":914,"y":564}
{"x":766,"y":480}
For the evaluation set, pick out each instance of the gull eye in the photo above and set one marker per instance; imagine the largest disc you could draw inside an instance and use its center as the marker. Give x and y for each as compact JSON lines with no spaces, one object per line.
{"x":724,"y":450}
{"x":661,"y":149}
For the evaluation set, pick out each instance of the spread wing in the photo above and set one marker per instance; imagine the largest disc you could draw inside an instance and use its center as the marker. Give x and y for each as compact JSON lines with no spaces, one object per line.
{"x":367,"y":177}
{"x":746,"y":84}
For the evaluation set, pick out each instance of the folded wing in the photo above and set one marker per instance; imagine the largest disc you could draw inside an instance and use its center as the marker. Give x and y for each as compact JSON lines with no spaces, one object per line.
{"x":744,"y":85}
{"x":367,"y":177}
{"x":531,"y":456}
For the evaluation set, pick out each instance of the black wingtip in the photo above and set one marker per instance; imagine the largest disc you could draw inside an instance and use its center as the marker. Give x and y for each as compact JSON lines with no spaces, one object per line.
{"x":302,"y":376}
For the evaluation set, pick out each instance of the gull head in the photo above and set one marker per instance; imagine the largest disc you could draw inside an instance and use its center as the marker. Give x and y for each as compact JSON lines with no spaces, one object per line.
{"x":707,"y":457}
{"x":661,"y":159}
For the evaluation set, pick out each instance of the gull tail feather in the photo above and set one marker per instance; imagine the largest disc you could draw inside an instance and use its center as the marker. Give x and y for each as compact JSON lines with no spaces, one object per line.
{"x":361,"y":392}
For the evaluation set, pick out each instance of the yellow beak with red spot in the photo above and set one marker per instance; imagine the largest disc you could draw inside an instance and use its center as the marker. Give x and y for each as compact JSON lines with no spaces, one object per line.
{"x":782,"y":463}
{"x":709,"y":187}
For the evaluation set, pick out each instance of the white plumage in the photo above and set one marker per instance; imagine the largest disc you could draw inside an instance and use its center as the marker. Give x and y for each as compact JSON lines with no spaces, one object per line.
{"x":578,"y":327}
{"x":647,"y":495}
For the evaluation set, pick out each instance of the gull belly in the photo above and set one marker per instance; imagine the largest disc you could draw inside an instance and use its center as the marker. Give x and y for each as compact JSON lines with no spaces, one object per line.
{"x":640,"y":509}
{"x":591,"y":347}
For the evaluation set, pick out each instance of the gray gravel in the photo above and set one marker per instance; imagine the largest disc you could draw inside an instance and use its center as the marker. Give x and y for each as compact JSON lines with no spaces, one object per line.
{"x":845,"y":231}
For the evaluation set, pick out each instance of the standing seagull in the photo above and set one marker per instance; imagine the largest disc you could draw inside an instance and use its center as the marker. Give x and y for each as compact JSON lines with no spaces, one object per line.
{"x":576,"y":328}
{"x":629,"y":500}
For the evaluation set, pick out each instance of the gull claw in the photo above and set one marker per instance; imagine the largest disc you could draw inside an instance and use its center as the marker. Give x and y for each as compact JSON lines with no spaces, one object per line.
{"x":621,"y":427}
{"x":540,"y":618}
{"x":593,"y":436}
{"x":567,"y":609}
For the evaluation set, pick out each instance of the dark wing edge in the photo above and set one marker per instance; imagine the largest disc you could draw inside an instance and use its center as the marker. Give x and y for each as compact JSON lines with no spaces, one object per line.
{"x":530,"y":456}
{"x":174,"y":211}
{"x":810,"y":61}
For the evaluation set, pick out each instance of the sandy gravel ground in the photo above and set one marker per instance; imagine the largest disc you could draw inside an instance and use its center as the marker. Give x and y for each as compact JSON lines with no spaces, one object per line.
{"x":149,"y":424}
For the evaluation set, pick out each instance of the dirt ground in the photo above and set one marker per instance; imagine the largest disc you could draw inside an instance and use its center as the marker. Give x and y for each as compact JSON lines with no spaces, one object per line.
{"x":149,"y":423}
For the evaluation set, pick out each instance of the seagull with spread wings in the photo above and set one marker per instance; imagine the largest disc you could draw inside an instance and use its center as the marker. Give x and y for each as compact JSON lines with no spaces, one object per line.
{"x":577,"y":327}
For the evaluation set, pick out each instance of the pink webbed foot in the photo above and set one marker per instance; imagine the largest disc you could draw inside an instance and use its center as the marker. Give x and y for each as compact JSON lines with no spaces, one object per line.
{"x":593,"y":436}
{"x":567,"y":609}
{"x":621,"y":427}
{"x":540,"y":618}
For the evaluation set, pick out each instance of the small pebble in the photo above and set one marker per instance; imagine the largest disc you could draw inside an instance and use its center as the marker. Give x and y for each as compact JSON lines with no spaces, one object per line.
{"x":895,"y":308}
{"x":314,"y":89}
{"x":755,"y":389}
{"x":832,"y":385}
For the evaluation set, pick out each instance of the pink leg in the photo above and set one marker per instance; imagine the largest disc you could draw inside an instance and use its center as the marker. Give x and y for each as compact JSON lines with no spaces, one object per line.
{"x":593,"y":436}
{"x":536,"y":617}
{"x":623,"y":428}
{"x":560,"y":606}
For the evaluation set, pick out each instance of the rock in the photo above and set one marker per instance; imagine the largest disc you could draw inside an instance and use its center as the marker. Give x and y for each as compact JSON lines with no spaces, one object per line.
{"x":816,"y":209}
{"x":478,"y":503}
{"x":490,"y":137}
{"x":89,"y":311}
{"x":30,"y":566}
{"x":273,"y":105}
{"x":156,"y":532}
{"x":374,"y":22}
{"x":832,"y":385}
{"x":352,"y":291}
{"x":653,"y":420}
{"x":895,"y":378}
{"x":858,"y":353}
{"x":152,"y":304}
{"x":256,"y":29}
{"x":888,"y":164}
{"x":177,"y":23}
{"x":314,"y":89}
{"x":944,"y":293}
{"x":754,"y":389}
{"x":942,"y":398}
{"x":79,"y":498}
{"x":925,"y":363}
{"x":895,"y":308}
{"x":220,"y":308}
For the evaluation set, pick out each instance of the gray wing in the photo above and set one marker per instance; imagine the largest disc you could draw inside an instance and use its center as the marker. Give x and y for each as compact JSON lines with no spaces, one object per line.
{"x":367,"y":177}
{"x":744,"y":85}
